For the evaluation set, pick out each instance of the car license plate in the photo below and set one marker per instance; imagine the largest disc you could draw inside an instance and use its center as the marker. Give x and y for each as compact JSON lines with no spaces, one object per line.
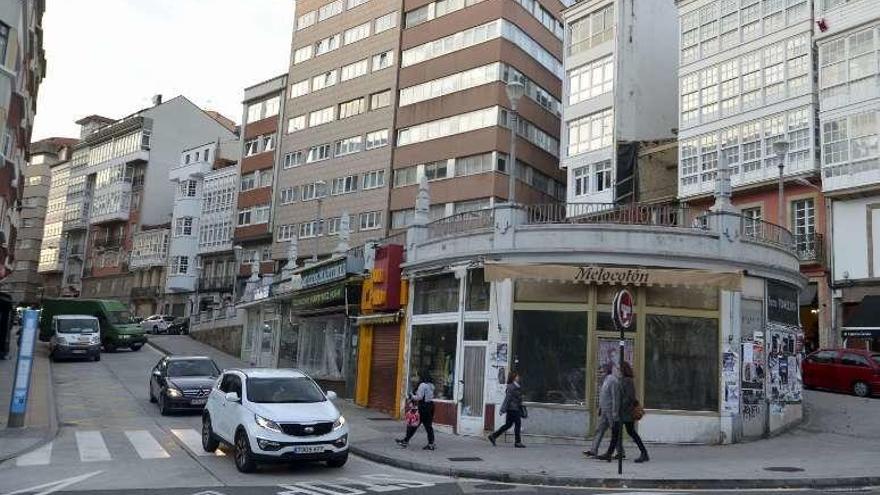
{"x":309,"y":449}
{"x":78,"y":351}
{"x":198,"y":402}
{"x":84,"y":339}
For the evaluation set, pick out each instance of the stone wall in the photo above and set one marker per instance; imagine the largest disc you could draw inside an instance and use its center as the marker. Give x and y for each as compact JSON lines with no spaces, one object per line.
{"x":226,"y":339}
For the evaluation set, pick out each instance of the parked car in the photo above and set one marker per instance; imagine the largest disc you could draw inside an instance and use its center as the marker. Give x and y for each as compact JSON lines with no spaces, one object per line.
{"x":274,"y":415}
{"x":75,"y":336}
{"x":117,"y":329}
{"x":156,"y":324}
{"x":854,"y":371}
{"x":180,"y":326}
{"x":182,"y":382}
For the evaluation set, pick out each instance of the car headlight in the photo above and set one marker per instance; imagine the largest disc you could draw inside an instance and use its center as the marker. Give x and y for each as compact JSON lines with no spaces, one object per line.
{"x":267,"y":423}
{"x":339,"y":422}
{"x":96,"y":339}
{"x":174,"y":392}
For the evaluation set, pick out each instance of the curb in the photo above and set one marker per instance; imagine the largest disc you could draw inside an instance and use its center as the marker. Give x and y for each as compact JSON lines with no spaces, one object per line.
{"x":570,"y":481}
{"x":159,"y":348}
{"x":54,"y":425}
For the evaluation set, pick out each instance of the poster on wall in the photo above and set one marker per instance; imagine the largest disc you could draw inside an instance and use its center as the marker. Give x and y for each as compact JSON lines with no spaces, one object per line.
{"x":753,"y":367}
{"x":784,"y":380}
{"x":730,"y":378}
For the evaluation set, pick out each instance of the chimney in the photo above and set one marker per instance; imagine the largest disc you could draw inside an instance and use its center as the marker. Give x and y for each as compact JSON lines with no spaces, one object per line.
{"x":157,"y":100}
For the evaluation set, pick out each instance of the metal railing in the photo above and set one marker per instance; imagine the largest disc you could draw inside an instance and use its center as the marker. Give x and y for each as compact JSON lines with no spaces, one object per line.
{"x":217,"y":283}
{"x":111,"y":242}
{"x":461,"y":222}
{"x":810,"y":248}
{"x":764,"y":232}
{"x":611,"y":213}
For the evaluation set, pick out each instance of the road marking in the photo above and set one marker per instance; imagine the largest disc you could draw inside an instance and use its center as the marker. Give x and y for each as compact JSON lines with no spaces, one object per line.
{"x":146,"y":446}
{"x":91,"y":446}
{"x":38,"y":457}
{"x":193,"y":442}
{"x":54,"y":486}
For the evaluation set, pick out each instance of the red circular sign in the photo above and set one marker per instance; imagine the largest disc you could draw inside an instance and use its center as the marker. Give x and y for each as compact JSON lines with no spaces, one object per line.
{"x":623,"y":309}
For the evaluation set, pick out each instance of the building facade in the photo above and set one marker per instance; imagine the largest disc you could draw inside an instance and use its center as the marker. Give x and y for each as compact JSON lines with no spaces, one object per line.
{"x":51,"y":267}
{"x":848,"y":39}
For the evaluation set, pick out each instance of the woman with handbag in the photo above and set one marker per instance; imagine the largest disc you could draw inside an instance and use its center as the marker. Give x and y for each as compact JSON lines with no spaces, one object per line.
{"x":514,"y":409}
{"x":424,"y":398}
{"x":630,"y":412}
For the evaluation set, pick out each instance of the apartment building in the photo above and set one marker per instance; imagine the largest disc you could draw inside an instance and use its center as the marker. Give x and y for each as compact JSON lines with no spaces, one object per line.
{"x":50,"y":267}
{"x":747,"y":82}
{"x":261,"y":130}
{"x":118,"y":187}
{"x":847,"y":36}
{"x":454,"y":117}
{"x":616,"y":93}
{"x":22,"y":68}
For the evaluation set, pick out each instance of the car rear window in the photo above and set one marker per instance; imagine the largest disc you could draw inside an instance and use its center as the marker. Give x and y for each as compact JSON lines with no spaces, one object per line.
{"x":283,"y":390}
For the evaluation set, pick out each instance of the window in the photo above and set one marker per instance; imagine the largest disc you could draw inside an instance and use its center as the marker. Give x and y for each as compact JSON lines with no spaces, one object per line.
{"x":286,"y":232}
{"x":251,"y":147}
{"x":306,"y":20}
{"x":591,"y":80}
{"x":270,"y":109}
{"x":681,"y":363}
{"x":351,"y":108}
{"x":299,"y":89}
{"x":183,"y":226}
{"x":354,"y":3}
{"x":268,"y":142}
{"x":550,"y":348}
{"x":356,"y":33}
{"x":324,"y":80}
{"x":327,"y":44}
{"x":581,"y":180}
{"x":373,"y":179}
{"x":318,"y":153}
{"x":254,"y":113}
{"x":294,"y":159}
{"x":449,"y":126}
{"x":432,"y":349}
{"x":436,"y":170}
{"x":590,"y":133}
{"x":330,"y":10}
{"x":751,"y":221}
{"x":377,"y":139}
{"x":823,"y":357}
{"x":803,"y":225}
{"x":383,"y":60}
{"x":297,"y":123}
{"x":354,"y":70}
{"x":244,"y":217}
{"x":380,"y":100}
{"x":592,"y":30}
{"x":344,"y":185}
{"x":849,"y":359}
{"x":349,"y":145}
{"x":406,"y":176}
{"x":260,"y":214}
{"x":302,"y":54}
{"x":370,"y":220}
{"x":385,"y":22}
{"x":472,"y":165}
{"x":321,"y":117}
{"x":436,"y":294}
{"x":289,"y":194}
{"x":179,"y":265}
{"x":187,"y":188}
{"x":309,"y":229}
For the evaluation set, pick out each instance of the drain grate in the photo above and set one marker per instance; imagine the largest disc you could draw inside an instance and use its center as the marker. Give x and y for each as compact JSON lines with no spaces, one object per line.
{"x":784,"y":469}
{"x":495,"y":487}
{"x":381,"y":419}
{"x":464,"y":459}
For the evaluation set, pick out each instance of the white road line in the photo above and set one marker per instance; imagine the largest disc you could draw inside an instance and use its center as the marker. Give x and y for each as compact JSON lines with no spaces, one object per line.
{"x":146,"y":446}
{"x":91,"y":446}
{"x":38,"y":457}
{"x":193,"y":442}
{"x":54,"y":486}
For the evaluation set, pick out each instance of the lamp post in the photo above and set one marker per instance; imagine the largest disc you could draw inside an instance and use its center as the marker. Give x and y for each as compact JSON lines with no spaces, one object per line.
{"x":514,"y":90}
{"x":320,"y":190}
{"x":781,"y":150}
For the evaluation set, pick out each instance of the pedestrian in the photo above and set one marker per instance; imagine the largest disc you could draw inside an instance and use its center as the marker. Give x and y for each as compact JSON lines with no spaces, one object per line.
{"x":628,"y":417}
{"x":608,"y":396}
{"x":513,"y":408}
{"x":424,"y":397}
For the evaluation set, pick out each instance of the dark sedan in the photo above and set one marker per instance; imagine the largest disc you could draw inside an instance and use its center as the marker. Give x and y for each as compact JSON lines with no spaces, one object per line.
{"x":182,"y":382}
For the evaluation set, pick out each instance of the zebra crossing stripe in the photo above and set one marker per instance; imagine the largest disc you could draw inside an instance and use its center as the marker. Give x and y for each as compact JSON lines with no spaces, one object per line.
{"x":146,"y":446}
{"x":193,"y":442}
{"x":38,"y":457}
{"x":91,"y":446}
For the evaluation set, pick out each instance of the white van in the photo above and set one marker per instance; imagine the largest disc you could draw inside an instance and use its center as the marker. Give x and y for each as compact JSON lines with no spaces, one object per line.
{"x":75,"y":336}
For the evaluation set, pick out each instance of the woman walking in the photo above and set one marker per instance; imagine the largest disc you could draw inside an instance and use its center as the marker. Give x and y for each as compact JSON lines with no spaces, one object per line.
{"x":628,"y":404}
{"x":512,"y":407}
{"x":424,"y":397}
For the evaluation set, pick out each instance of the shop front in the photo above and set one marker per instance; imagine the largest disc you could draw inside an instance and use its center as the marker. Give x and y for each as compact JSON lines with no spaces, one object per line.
{"x":861,"y":328}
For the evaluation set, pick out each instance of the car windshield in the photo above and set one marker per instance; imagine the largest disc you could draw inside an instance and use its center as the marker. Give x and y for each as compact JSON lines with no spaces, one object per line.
{"x":283,"y":390}
{"x":192,"y":367}
{"x":120,"y":317}
{"x":77,"y":326}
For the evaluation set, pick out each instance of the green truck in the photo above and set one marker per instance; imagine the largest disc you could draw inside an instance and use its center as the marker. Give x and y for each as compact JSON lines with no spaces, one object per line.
{"x":117,"y":328}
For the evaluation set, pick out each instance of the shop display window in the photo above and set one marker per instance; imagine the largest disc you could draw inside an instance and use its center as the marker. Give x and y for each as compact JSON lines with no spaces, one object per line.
{"x":681,"y":363}
{"x":321,"y":347}
{"x":437,"y":294}
{"x":476,"y":330}
{"x":477,"y":291}
{"x":550,"y":350}
{"x":682,"y":297}
{"x":433,"y":350}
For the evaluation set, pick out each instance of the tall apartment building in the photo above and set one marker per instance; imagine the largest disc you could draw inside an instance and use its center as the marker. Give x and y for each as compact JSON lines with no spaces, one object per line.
{"x":453,"y":115}
{"x":22,"y":68}
{"x":118,"y":186}
{"x":24,"y":285}
{"x":617,"y":89}
{"x":261,"y":130}
{"x":746,"y":81}
{"x":51,"y":267}
{"x":847,"y":35}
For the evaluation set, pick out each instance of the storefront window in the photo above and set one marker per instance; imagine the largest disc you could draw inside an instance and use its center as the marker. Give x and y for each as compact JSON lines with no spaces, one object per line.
{"x":287,"y":348}
{"x":681,"y":363}
{"x":476,"y":330}
{"x":550,"y":350}
{"x":433,"y":350}
{"x":438,"y":294}
{"x":550,"y":292}
{"x":477,"y":291}
{"x":683,"y":297}
{"x":321,"y":347}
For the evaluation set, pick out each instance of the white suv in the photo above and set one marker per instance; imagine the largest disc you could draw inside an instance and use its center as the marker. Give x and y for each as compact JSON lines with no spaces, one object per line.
{"x":274,"y":415}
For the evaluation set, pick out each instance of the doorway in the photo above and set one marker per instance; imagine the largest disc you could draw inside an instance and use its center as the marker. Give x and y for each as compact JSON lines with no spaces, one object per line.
{"x":473,"y":374}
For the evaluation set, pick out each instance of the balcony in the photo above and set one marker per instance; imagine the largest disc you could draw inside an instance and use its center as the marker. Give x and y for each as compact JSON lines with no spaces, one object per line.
{"x":181,"y":283}
{"x":217,"y":284}
{"x":119,"y":214}
{"x":810,"y":248}
{"x":150,"y":292}
{"x":107,"y":243}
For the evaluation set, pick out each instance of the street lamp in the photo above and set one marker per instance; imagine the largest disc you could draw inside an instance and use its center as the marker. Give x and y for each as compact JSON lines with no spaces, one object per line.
{"x":320,"y":190}
{"x":781,"y":150}
{"x":515,"y":91}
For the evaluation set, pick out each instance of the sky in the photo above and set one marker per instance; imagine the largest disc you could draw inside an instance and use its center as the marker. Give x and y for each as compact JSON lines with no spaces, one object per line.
{"x":109,"y":57}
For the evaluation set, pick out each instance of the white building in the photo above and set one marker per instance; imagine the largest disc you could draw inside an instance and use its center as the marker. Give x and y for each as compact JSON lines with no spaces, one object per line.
{"x":619,"y":66}
{"x":848,"y":39}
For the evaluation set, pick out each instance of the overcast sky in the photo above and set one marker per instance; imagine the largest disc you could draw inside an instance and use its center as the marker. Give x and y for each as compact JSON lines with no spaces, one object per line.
{"x":109,"y":57}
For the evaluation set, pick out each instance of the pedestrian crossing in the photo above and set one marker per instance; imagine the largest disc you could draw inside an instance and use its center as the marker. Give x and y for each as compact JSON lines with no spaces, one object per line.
{"x":90,"y":446}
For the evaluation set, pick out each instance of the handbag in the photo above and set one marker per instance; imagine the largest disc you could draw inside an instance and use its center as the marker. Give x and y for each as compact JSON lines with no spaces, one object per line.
{"x":638,"y":412}
{"x":523,"y":411}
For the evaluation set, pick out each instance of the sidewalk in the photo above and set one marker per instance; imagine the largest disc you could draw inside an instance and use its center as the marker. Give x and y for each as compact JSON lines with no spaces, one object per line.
{"x":795,"y":460}
{"x":41,"y":424}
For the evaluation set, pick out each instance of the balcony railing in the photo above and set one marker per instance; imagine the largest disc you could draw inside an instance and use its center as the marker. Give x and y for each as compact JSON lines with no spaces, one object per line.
{"x":810,"y":248}
{"x":611,"y":213}
{"x":216,"y":283}
{"x":765,"y":232}
{"x":461,"y":222}
{"x":108,"y":243}
{"x":145,"y":292}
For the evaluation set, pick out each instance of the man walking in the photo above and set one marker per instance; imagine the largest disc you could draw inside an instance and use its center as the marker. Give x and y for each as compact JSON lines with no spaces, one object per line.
{"x":609,"y":395}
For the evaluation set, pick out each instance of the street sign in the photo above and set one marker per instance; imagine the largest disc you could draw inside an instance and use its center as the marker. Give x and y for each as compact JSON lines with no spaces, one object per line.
{"x":22,"y":383}
{"x":622,"y":310}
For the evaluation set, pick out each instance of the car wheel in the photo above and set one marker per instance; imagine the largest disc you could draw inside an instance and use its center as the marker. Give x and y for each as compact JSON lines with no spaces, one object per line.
{"x":244,"y":460}
{"x":137,"y":347}
{"x":97,"y":357}
{"x":163,"y":407}
{"x":156,"y":329}
{"x":338,"y":462}
{"x":209,"y":441}
{"x":861,"y":389}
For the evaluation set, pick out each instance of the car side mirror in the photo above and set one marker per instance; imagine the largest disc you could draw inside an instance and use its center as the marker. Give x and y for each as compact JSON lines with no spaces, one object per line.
{"x":331,"y":395}
{"x":232,"y":397}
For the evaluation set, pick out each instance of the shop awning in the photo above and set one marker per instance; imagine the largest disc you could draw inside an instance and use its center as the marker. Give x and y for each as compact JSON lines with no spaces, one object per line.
{"x":864,"y":322}
{"x":617,"y":275}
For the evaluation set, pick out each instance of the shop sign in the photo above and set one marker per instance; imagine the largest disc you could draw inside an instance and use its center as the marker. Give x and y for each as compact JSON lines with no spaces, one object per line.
{"x":782,"y":303}
{"x":622,"y":310}
{"x":318,"y":298}
{"x":607,"y":275}
{"x":330,"y":272}
{"x":860,"y":333}
{"x":603,"y":275}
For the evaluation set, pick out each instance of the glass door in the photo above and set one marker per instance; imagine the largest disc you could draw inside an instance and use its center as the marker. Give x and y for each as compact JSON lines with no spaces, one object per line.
{"x":473,"y":373}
